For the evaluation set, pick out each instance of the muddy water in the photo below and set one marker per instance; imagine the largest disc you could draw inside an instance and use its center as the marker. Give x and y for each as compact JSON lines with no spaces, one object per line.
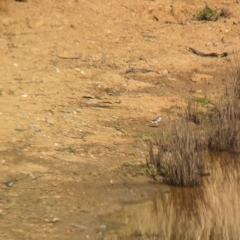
{"x":208,"y":212}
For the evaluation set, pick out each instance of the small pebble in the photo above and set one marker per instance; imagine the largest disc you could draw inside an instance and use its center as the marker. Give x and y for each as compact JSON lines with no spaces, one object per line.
{"x":32,"y":176}
{"x":79,"y":226}
{"x":35,"y":128}
{"x":165,"y":72}
{"x":10,"y":183}
{"x":103,"y":226}
{"x":55,"y":219}
{"x":50,"y":121}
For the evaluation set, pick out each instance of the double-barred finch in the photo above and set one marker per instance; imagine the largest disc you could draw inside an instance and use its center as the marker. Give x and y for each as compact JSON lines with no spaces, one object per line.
{"x":156,"y":120}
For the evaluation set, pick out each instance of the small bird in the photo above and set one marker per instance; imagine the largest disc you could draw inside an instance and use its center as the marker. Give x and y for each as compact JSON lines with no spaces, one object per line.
{"x":155,"y":121}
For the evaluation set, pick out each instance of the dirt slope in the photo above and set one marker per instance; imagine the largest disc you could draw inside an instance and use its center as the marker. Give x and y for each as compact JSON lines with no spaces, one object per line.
{"x":79,"y":81}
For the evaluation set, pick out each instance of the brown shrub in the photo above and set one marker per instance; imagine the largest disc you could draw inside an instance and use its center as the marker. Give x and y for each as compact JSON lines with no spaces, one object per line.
{"x":180,"y":155}
{"x":223,"y":125}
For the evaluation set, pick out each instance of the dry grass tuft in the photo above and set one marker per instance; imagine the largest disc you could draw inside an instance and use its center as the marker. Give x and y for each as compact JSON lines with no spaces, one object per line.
{"x":181,"y":155}
{"x":193,"y":112}
{"x":223,"y":125}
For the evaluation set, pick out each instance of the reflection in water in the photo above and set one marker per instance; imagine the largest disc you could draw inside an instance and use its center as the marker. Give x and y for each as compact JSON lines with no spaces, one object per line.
{"x":208,"y":212}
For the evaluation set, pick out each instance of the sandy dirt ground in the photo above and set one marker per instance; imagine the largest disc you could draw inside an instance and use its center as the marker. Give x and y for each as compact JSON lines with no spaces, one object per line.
{"x":79,"y":81}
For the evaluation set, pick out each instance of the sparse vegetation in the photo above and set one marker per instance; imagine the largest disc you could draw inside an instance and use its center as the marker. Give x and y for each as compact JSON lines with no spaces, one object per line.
{"x":207,"y":14}
{"x":201,"y":100}
{"x":145,"y":137}
{"x":172,"y":109}
{"x":223,"y":126}
{"x":140,"y":169}
{"x":223,"y":120}
{"x":69,"y":149}
{"x":193,"y":112}
{"x":182,"y":153}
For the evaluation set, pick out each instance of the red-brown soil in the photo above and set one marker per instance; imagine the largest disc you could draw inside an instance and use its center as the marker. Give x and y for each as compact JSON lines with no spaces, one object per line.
{"x":79,"y":81}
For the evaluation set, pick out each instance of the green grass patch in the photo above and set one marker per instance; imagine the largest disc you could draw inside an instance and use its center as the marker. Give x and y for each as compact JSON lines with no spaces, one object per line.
{"x":207,"y":14}
{"x":145,"y":137}
{"x":140,"y":169}
{"x":201,"y":100}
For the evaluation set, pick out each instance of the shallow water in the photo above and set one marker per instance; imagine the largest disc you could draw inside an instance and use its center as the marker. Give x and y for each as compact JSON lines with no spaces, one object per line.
{"x":211,"y":211}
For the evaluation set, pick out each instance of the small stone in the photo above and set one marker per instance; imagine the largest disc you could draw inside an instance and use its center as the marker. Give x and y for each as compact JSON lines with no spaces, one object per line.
{"x":79,"y":226}
{"x":165,"y":72}
{"x":10,"y":183}
{"x":209,"y":44}
{"x":103,"y":226}
{"x":67,"y":110}
{"x":32,"y":176}
{"x":55,"y":219}
{"x":35,"y":128}
{"x":50,"y":121}
{"x":225,"y":13}
{"x":20,"y":129}
{"x":111,"y":182}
